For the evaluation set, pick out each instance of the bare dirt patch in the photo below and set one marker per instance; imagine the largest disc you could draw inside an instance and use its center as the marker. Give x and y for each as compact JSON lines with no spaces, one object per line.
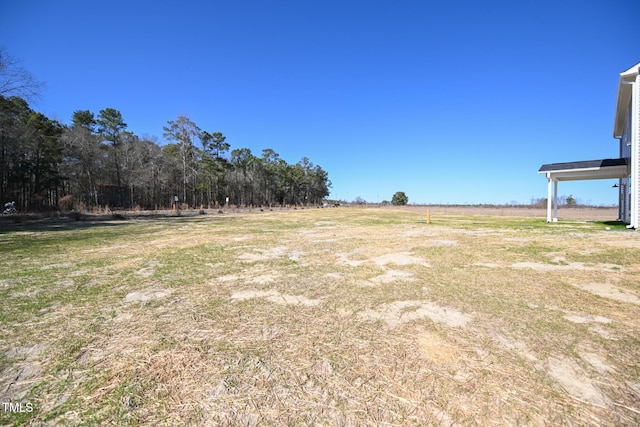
{"x":587,"y":318}
{"x":390,"y":276}
{"x":401,"y":258}
{"x":399,"y":312}
{"x":435,"y":348}
{"x":607,"y":290}
{"x":263,"y":255}
{"x":145,"y":295}
{"x":576,"y":382}
{"x":275,"y":297}
{"x":560,"y":264}
{"x":17,"y":380}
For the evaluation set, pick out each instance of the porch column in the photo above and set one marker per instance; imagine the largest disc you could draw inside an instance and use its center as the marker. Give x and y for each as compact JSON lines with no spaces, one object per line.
{"x":549,"y":180}
{"x":635,"y":153}
{"x":555,"y":200}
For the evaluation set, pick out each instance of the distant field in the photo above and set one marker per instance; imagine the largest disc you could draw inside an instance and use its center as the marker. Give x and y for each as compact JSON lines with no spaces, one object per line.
{"x":584,"y":214}
{"x":337,"y":317}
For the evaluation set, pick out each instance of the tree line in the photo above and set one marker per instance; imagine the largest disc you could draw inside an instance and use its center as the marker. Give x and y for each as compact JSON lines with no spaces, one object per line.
{"x":97,"y":162}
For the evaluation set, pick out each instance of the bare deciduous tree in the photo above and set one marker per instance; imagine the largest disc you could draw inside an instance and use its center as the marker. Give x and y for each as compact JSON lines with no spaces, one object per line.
{"x":15,"y":80}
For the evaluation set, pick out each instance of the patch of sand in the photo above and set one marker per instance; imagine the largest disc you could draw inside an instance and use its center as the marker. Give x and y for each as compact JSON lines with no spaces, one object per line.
{"x":587,"y":318}
{"x":399,"y":312}
{"x":434,"y":348}
{"x":263,"y":255}
{"x":344,"y":258}
{"x":326,"y":224}
{"x":606,"y":333}
{"x":443,"y":242}
{"x":607,"y":290}
{"x":275,"y":297}
{"x":61,"y":265}
{"x":400,"y":258}
{"x":596,"y":361}
{"x":413,"y":233}
{"x":17,"y":378}
{"x":391,"y":276}
{"x":66,"y":282}
{"x":295,"y":255}
{"x":228,"y":278}
{"x":397,"y":258}
{"x":575,"y":381}
{"x":516,"y":239}
{"x":514,"y":345}
{"x":562,"y":265}
{"x":622,"y":240}
{"x":145,"y":295}
{"x":269,"y":254}
{"x":147,"y":271}
{"x":263,"y":279}
{"x":487,"y":264}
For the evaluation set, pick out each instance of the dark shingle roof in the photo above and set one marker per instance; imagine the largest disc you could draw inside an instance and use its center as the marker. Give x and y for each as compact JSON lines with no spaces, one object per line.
{"x":586,"y":164}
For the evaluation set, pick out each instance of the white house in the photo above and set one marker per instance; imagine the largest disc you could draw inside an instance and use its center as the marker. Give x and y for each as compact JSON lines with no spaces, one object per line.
{"x":626,"y":167}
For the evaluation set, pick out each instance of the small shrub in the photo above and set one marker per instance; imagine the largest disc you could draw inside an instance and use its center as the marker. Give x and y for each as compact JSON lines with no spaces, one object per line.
{"x":399,"y":198}
{"x":66,"y":203}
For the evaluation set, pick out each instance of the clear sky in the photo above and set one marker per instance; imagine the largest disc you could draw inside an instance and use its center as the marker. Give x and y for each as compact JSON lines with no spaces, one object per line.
{"x":448,"y":101}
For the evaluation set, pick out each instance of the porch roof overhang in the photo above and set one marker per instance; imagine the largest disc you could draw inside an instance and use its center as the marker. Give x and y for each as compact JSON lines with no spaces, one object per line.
{"x":588,"y":169}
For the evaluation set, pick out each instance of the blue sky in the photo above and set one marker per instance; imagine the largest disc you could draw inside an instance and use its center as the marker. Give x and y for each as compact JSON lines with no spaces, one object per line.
{"x":450,"y":102}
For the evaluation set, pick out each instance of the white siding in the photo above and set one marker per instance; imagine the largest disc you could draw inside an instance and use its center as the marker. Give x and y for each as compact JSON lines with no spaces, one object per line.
{"x":625,"y":183}
{"x":635,"y":150}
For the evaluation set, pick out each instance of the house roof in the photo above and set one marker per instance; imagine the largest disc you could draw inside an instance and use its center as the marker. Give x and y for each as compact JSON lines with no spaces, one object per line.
{"x":623,"y":99}
{"x":587,"y":169}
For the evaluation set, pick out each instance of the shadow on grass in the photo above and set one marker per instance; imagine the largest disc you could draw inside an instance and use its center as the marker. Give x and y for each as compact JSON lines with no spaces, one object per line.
{"x":74,"y":221}
{"x":617,"y":225}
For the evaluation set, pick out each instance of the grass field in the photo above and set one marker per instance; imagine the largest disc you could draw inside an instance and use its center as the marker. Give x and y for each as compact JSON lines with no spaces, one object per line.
{"x":340,"y":317}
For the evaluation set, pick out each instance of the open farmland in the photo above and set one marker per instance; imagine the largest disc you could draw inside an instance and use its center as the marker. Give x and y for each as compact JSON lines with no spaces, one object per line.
{"x":341,"y":317}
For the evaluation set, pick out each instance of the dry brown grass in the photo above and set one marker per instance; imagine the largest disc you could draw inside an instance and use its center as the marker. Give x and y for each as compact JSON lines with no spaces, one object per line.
{"x":323,"y":317}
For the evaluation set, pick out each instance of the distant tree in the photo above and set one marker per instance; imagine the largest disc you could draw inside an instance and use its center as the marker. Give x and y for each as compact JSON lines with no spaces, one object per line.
{"x":212,"y":167}
{"x":184,"y":131}
{"x":82,"y":166}
{"x":85,"y":119}
{"x":540,"y":202}
{"x":571,"y":202}
{"x":14,"y":112}
{"x":142,"y":163}
{"x":214,"y":143}
{"x":359,"y":201}
{"x":110,"y":123}
{"x":41,"y":157}
{"x":321,"y":185}
{"x":399,"y":198}
{"x":16,"y":80}
{"x":271,"y":164}
{"x":111,"y":127}
{"x":242,"y":177}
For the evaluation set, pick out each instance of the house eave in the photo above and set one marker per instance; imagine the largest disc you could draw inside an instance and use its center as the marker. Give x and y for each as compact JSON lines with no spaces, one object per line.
{"x":623,"y":99}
